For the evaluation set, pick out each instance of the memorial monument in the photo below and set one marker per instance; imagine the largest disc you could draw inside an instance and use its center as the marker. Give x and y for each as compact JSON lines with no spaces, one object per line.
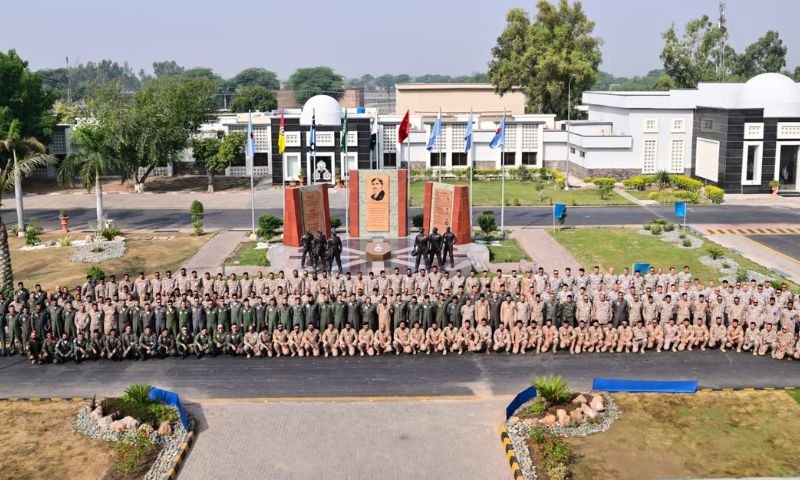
{"x":306,"y":210}
{"x":447,"y":206}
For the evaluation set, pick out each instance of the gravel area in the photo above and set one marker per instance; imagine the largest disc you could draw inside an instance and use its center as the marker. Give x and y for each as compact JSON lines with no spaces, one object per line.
{"x":724,"y":264}
{"x":170,"y":445}
{"x":674,"y":237}
{"x":110,"y":250}
{"x":518,"y":432}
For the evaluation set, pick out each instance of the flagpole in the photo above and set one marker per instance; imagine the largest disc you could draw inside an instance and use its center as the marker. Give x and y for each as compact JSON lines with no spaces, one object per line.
{"x":252,"y":156}
{"x":439,"y":118}
{"x":345,"y":160}
{"x":503,"y":180}
{"x":471,"y":153}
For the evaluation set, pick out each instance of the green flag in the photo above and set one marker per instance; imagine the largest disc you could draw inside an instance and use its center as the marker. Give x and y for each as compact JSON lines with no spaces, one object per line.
{"x":343,"y":136}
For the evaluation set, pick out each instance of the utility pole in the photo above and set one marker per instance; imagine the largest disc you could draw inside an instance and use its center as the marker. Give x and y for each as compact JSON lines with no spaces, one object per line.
{"x":569,"y":118}
{"x":724,"y":36}
{"x":69,"y":84}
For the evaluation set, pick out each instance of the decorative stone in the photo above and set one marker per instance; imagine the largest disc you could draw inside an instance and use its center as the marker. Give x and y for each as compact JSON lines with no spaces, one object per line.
{"x":511,"y":421}
{"x":549,"y":420}
{"x":146,"y":428}
{"x":597,"y":403}
{"x":528,"y":422}
{"x":563,"y":418}
{"x":97,"y":413}
{"x":588,"y":411}
{"x":165,"y":429}
{"x":105,"y":423}
{"x":576,"y":415}
{"x":579,"y":399}
{"x":127,"y":423}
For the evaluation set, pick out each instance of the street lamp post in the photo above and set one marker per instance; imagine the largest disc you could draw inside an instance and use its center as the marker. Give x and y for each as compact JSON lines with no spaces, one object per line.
{"x":569,"y":117}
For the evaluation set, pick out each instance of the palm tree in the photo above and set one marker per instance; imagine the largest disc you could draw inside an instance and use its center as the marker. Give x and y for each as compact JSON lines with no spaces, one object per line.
{"x":89,"y":162}
{"x":25,"y":157}
{"x":27,"y":153}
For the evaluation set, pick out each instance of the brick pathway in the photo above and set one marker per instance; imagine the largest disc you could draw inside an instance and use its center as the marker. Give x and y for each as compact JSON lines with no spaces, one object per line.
{"x":545,"y":252}
{"x":447,"y":439}
{"x":215,"y":251}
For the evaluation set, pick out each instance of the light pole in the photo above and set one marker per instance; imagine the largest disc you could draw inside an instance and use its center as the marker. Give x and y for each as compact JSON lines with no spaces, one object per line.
{"x":569,"y":117}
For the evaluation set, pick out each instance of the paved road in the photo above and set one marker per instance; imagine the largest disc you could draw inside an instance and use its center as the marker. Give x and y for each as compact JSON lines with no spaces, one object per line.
{"x":789,"y":245}
{"x":168,"y":218}
{"x":386,"y":376}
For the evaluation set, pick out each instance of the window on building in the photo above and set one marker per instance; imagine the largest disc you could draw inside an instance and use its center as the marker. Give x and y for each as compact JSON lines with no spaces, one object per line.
{"x":292,"y":139}
{"x":751,"y":166}
{"x":438,"y":159}
{"x":458,"y":131}
{"x":649,"y":156}
{"x":707,"y":125}
{"x":530,"y":137}
{"x":571,"y":150}
{"x":511,"y":136}
{"x":651,"y":125}
{"x":509,"y":159}
{"x":529,"y":158}
{"x":389,"y":143}
{"x":678,"y":125}
{"x":788,"y":130}
{"x":390,"y":159}
{"x":352,"y":164}
{"x":583,"y":154}
{"x":676,"y":161}
{"x":458,"y":159}
{"x":292,"y":166}
{"x":753,"y":131}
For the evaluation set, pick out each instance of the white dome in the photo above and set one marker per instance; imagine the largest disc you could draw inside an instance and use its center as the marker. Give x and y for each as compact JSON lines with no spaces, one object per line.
{"x":326,"y":109}
{"x":777,"y":94}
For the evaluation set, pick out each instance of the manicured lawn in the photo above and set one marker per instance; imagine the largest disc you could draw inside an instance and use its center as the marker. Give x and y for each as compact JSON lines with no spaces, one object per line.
{"x":50,"y":266}
{"x":639,"y":194}
{"x":622,"y":247}
{"x":487,"y":193}
{"x":508,"y":251}
{"x":37,"y":441}
{"x":248,"y":256}
{"x":708,"y":434}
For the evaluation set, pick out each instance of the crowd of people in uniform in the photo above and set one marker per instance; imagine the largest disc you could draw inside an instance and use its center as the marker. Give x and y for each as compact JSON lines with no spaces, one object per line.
{"x":311,"y":314}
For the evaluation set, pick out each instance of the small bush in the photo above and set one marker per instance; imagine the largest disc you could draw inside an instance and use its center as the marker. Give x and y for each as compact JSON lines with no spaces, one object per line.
{"x":604,"y":182}
{"x":487,"y":222}
{"x":14,"y":230}
{"x":96,"y":273}
{"x":538,"y":407}
{"x":417,"y":220}
{"x":197,"y":211}
{"x":682,"y":236}
{"x":32,"y":231}
{"x":669,"y":227}
{"x":131,"y":457}
{"x":648,"y":226}
{"x":110,"y":232}
{"x":98,"y":249}
{"x":715,"y":252}
{"x":714,"y":194}
{"x":742,"y":275}
{"x":587,"y":179}
{"x":516,"y":202}
{"x":523,"y":173}
{"x":655,"y":230}
{"x":336,"y":222}
{"x":268,"y":226}
{"x":725,"y":265}
{"x":137,"y":394}
{"x":65,"y":241}
{"x":553,"y":389}
{"x":686,"y":242}
{"x":683,"y":182}
{"x":663,"y":178}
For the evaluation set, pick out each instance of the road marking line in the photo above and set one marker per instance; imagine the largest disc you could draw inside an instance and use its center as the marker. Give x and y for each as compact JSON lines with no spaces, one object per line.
{"x":796,"y":260}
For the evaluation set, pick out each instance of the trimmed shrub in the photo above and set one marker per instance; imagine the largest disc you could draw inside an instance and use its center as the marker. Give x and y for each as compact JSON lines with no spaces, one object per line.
{"x":604,"y":181}
{"x":32,"y":231}
{"x":96,"y":273}
{"x":715,"y":194}
{"x":669,"y":227}
{"x":686,"y":183}
{"x":336,"y":222}
{"x":655,"y":230}
{"x":587,"y":180}
{"x":197,"y":211}
{"x":487,"y":222}
{"x":268,"y":226}
{"x":635,"y":183}
{"x":553,"y":389}
{"x":110,"y":232}
{"x":686,"y":242}
{"x":715,"y":252}
{"x":417,"y":220}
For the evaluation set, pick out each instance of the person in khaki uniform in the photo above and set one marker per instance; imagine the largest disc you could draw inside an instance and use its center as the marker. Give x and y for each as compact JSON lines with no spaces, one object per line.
{"x":435,"y":339}
{"x":610,"y":338}
{"x":402,"y":342}
{"x":549,"y":337}
{"x":264,"y":343}
{"x":625,"y":337}
{"x":449,"y":338}
{"x":416,"y":339}
{"x":580,"y":338}
{"x":519,"y":338}
{"x":296,"y":341}
{"x":382,"y":341}
{"x":310,"y":341}
{"x":639,"y":337}
{"x":769,"y":339}
{"x":250,"y":341}
{"x":717,"y":334}
{"x":565,"y":337}
{"x":467,"y":339}
{"x":734,"y":336}
{"x":508,"y":312}
{"x":280,"y":341}
{"x":685,"y":336}
{"x":365,"y":341}
{"x":330,"y":341}
{"x":700,"y":335}
{"x":484,"y":332}
{"x":784,"y":344}
{"x":752,"y":339}
{"x":534,"y":332}
{"x":347,"y":340}
{"x":502,"y":339}
{"x":595,"y":340}
{"x":656,"y":335}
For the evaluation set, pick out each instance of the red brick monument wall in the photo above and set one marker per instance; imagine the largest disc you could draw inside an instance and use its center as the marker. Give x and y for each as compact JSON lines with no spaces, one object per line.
{"x":448,"y":205}
{"x":306,"y":208}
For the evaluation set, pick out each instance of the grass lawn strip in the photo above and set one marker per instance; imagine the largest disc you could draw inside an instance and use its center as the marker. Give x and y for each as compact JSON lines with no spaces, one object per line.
{"x":622,"y":247}
{"x":248,"y":256}
{"x":708,"y":434}
{"x":37,"y":441}
{"x":50,"y":266}
{"x":487,"y":193}
{"x":508,"y":251}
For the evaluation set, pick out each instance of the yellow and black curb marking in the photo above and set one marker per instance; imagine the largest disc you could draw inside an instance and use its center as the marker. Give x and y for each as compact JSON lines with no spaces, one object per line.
{"x":44,"y":399}
{"x":752,"y":231}
{"x":178,"y":460}
{"x":511,"y":454}
{"x":746,"y":389}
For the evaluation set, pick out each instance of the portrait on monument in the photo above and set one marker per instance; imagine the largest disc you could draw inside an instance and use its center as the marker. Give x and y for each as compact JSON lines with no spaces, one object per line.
{"x":377,"y":208}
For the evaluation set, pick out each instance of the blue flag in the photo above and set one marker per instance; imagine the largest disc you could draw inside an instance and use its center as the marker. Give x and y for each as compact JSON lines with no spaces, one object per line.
{"x":250,"y":148}
{"x":499,"y":139}
{"x":680,"y":209}
{"x":437,"y":127}
{"x":312,"y":138}
{"x":468,"y":135}
{"x":558,"y":210}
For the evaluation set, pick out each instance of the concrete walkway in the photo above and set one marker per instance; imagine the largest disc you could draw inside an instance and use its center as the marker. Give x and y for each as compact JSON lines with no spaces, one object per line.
{"x":214,"y":253}
{"x":341,"y":439}
{"x":760,"y":254}
{"x":544,"y":251}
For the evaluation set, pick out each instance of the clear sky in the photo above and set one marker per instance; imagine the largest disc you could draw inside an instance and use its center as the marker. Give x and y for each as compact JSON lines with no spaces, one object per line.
{"x":353,"y":36}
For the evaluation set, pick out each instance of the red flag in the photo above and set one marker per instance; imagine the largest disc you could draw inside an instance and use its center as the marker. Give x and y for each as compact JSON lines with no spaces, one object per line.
{"x":402,"y":132}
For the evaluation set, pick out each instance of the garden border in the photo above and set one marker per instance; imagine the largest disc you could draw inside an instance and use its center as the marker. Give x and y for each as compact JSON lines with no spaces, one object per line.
{"x":511,"y":454}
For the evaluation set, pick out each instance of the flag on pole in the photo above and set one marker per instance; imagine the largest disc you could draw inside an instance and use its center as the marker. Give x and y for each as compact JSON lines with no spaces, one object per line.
{"x":499,"y":139}
{"x":282,"y":137}
{"x":343,"y":135}
{"x":373,"y":135}
{"x":402,"y":131}
{"x":250,"y":150}
{"x":312,"y":138}
{"x":468,"y":135}
{"x":437,"y":127}
{"x":680,"y":209}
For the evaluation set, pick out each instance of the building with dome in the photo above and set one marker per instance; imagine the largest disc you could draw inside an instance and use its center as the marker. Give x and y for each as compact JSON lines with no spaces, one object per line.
{"x":737,"y":136}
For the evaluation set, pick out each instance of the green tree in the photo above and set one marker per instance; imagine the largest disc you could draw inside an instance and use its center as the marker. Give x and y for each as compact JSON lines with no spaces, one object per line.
{"x":541,"y":56}
{"x":254,"y":98}
{"x":23,"y":97}
{"x":167,"y":68}
{"x":217,"y":153}
{"x":196,"y":210}
{"x":307,"y":82}
{"x":694,"y":56}
{"x":90,"y":160}
{"x":65,"y":113}
{"x":796,"y":74}
{"x":268,"y":226}
{"x":767,"y":54}
{"x":251,"y":77}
